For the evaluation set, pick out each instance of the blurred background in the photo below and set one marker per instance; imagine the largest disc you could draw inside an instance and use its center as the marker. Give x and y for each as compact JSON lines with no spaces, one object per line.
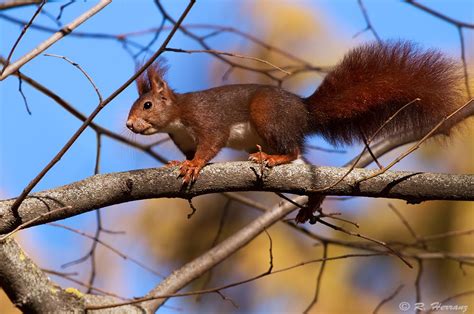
{"x":157,"y":232}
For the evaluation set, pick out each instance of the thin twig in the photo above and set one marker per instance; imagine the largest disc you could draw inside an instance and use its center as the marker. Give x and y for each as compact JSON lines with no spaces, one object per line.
{"x":319,"y":278}
{"x":366,"y":144}
{"x":439,"y":15}
{"x":464,"y":62}
{"x":222,"y":221}
{"x":62,"y":7}
{"x":213,"y":290}
{"x":388,"y":299}
{"x":368,"y":23}
{"x":367,"y":238}
{"x":80,"y":283}
{"x":31,"y":222}
{"x":418,"y":282}
{"x":417,"y":144}
{"x":89,"y":78}
{"x":11,"y":68}
{"x":153,"y":40}
{"x":230,"y":54}
{"x":404,"y":221}
{"x":193,"y":208}
{"x":369,"y":140}
{"x":108,"y":246}
{"x":20,"y":89}
{"x":23,"y":32}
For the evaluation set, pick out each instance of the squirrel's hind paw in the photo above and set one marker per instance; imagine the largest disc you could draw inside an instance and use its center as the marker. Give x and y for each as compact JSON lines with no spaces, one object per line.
{"x":271,"y":160}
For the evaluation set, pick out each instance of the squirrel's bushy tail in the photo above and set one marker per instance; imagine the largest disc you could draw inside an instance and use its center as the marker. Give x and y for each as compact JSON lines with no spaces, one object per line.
{"x":375,"y":80}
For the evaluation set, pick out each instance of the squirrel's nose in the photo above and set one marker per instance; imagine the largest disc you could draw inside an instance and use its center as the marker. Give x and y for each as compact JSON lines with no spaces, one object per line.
{"x":130,"y":125}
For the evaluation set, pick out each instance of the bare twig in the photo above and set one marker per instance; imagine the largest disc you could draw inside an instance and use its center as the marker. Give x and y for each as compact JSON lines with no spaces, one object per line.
{"x":319,"y":278}
{"x":352,"y":165}
{"x":369,"y":26}
{"x":404,"y":221}
{"x":418,"y":144}
{"x":388,"y":299}
{"x":464,"y":63}
{"x":391,"y":250}
{"x":459,"y":25}
{"x":62,"y":7}
{"x":89,"y":78}
{"x":32,"y":221}
{"x":213,"y":290}
{"x":80,"y":283}
{"x":222,"y":221}
{"x":23,"y":32}
{"x":108,"y":246}
{"x":20,"y":89}
{"x":193,"y":208}
{"x":419,"y":273}
{"x":439,"y":15}
{"x":11,"y":68}
{"x":230,"y":54}
{"x":153,"y":40}
{"x":10,"y":4}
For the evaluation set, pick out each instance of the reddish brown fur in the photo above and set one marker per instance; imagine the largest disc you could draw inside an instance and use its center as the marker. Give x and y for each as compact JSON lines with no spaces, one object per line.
{"x":280,"y":120}
{"x":373,"y":81}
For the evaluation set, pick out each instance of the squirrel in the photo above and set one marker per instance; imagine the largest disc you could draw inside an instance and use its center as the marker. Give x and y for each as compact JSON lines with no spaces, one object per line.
{"x":355,"y":98}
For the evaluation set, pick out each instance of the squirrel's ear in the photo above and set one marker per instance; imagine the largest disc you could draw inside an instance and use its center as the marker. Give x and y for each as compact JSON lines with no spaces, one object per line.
{"x":142,"y":84}
{"x":155,"y":76}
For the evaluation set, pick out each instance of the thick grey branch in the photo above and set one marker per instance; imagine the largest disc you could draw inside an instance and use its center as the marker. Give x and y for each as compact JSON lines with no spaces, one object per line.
{"x":28,"y":287}
{"x":33,"y":292}
{"x":109,"y":189}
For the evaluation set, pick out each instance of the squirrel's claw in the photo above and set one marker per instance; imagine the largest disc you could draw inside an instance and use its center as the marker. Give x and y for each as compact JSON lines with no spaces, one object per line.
{"x":189,"y":170}
{"x":263,"y":158}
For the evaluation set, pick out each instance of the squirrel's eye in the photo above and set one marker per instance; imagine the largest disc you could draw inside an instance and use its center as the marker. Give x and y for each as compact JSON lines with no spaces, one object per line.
{"x":147,"y":105}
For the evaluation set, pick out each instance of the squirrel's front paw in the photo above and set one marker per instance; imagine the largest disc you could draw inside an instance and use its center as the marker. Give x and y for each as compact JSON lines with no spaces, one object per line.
{"x":189,"y":170}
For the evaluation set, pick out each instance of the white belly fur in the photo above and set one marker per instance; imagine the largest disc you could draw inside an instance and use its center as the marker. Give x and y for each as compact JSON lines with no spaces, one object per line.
{"x":181,"y":135}
{"x":242,"y":136}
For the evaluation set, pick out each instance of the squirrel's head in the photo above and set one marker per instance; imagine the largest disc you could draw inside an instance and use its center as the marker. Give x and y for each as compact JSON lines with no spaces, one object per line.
{"x":156,"y":107}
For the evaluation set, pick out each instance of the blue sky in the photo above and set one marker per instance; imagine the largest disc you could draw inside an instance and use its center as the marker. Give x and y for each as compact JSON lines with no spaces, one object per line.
{"x":27,"y":143}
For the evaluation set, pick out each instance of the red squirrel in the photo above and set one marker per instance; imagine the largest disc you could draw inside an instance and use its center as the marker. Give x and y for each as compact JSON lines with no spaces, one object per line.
{"x":356,"y":97}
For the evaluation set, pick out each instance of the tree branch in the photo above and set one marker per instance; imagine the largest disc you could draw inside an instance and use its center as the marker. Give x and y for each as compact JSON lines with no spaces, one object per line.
{"x":32,"y":291}
{"x":11,"y":68}
{"x":17,"y":3}
{"x":28,"y":287}
{"x":108,"y":189}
